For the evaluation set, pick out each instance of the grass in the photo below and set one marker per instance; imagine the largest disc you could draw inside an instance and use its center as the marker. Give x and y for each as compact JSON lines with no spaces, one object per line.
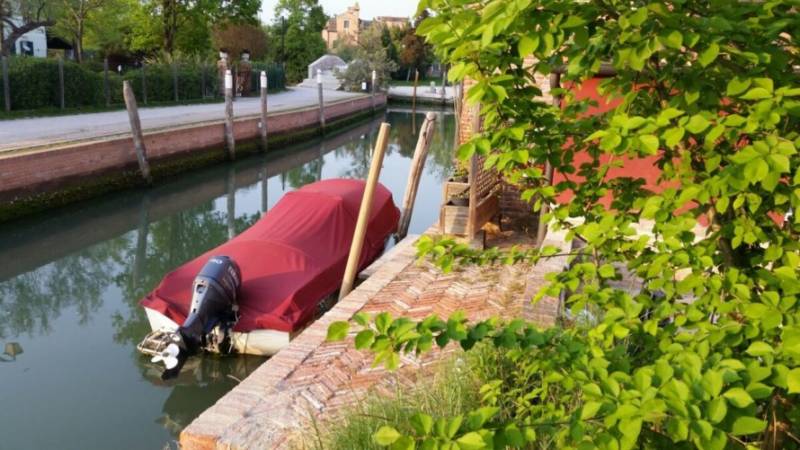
{"x":448,"y":390}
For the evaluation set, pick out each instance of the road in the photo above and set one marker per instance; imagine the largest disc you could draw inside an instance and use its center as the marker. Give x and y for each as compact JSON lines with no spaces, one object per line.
{"x":46,"y":131}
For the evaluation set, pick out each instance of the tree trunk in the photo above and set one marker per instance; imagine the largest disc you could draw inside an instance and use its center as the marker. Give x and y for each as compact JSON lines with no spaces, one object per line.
{"x":79,"y":42}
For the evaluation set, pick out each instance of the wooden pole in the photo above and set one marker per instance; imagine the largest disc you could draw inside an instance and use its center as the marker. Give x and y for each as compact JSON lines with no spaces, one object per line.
{"x":61,"y":82}
{"x":444,"y":84}
{"x":264,"y":190}
{"x":363,"y":213}
{"x":414,"y":95}
{"x":321,"y":102}
{"x":136,"y":130}
{"x":175,"y":80}
{"x":144,"y":82}
{"x":374,"y":81}
{"x":6,"y":84}
{"x":231,"y":203}
{"x":230,"y":140}
{"x":414,"y":175}
{"x":541,"y":231}
{"x":473,"y":178}
{"x":106,"y":84}
{"x":263,"y":111}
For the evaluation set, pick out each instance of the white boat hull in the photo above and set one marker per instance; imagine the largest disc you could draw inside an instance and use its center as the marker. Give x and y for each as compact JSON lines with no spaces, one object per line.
{"x":258,"y":342}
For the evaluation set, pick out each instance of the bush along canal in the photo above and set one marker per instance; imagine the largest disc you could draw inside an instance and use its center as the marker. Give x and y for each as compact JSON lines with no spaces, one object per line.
{"x":71,"y":280}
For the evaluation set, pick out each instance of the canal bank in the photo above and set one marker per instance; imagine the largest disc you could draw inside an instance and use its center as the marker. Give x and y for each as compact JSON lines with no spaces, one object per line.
{"x":69,"y":292}
{"x":38,"y":178}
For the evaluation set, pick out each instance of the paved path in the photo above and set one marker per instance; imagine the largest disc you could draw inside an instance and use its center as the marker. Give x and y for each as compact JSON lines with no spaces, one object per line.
{"x":38,"y":132}
{"x":423,"y":92}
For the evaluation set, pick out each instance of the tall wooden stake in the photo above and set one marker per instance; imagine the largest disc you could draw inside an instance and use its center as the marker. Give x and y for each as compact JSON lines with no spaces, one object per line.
{"x":444,"y":84}
{"x":264,"y":190}
{"x":374,"y":81}
{"x":414,"y":95}
{"x":541,"y":231}
{"x":230,"y":140}
{"x":263,"y":111}
{"x":106,"y":85}
{"x":321,"y":102}
{"x":231,"y":203}
{"x":61,"y":82}
{"x":414,"y":175}
{"x":136,"y":130}
{"x":363,"y":213}
{"x":144,"y":82}
{"x":6,"y":83}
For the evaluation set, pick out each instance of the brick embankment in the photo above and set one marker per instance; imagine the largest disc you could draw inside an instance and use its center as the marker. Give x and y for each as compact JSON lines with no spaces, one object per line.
{"x":312,"y":378}
{"x":31,"y":179}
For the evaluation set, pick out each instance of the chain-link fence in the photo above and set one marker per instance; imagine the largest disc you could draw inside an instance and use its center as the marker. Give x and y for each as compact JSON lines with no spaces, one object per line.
{"x":30,"y":84}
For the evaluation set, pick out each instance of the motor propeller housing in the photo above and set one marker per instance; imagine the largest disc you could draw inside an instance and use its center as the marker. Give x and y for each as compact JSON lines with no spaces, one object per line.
{"x":214,"y":304}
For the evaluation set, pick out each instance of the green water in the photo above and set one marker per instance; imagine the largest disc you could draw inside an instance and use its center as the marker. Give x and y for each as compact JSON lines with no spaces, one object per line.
{"x":71,"y":280}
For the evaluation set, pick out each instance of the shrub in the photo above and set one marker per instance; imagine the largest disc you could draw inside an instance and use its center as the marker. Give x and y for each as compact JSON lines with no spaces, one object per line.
{"x":706,"y":354}
{"x":34,"y":84}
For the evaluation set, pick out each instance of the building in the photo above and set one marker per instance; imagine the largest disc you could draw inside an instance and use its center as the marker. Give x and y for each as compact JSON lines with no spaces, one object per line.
{"x":349,"y":25}
{"x":32,"y":43}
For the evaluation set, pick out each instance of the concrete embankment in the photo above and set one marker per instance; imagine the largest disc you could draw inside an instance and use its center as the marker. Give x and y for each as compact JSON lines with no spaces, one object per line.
{"x":34,"y":179}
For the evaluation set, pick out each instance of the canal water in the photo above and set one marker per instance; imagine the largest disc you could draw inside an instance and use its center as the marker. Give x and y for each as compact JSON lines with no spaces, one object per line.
{"x":71,"y":280}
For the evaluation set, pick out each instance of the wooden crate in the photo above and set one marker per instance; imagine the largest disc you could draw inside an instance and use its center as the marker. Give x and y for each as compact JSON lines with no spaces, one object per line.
{"x":453,"y":219}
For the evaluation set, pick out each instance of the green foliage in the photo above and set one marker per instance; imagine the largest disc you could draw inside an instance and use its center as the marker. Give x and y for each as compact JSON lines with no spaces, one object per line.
{"x":297,"y":40}
{"x":706,"y":354}
{"x":370,"y":54}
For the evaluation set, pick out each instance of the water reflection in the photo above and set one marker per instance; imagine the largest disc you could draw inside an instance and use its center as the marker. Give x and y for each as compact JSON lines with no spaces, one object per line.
{"x":70,"y":283}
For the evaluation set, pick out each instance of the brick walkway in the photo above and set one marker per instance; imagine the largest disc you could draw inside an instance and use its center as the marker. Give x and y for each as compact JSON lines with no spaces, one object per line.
{"x":314,"y":377}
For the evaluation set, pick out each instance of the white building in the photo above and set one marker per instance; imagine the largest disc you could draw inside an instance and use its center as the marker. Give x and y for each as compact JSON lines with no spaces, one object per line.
{"x":32,"y":43}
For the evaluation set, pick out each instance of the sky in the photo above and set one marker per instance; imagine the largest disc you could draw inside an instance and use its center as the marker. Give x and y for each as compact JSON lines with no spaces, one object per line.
{"x":369,"y":8}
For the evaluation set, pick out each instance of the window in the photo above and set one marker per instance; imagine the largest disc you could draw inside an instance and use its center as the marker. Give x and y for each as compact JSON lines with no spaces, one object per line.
{"x":346,"y":24}
{"x":26,"y":48}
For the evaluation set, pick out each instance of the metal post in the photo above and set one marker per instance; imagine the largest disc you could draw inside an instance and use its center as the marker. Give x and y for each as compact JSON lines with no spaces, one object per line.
{"x":414,"y":175}
{"x":136,"y":130}
{"x":144,"y":82}
{"x":374,"y":81}
{"x":263,"y":130}
{"x":321,"y":102}
{"x":230,"y":140}
{"x":6,"y":84}
{"x":106,"y":84}
{"x":175,"y":80}
{"x":61,"y":82}
{"x":363,"y":213}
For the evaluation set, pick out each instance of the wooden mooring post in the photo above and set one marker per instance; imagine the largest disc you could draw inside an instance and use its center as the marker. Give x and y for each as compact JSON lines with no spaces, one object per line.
{"x":444,"y":84}
{"x":263,"y":129}
{"x":373,"y":87}
{"x":415,"y":173}
{"x":321,"y":102}
{"x":231,"y":202}
{"x":230,"y":139}
{"x":136,"y":131}
{"x":6,"y":83}
{"x":106,"y":83}
{"x":363,"y":213}
{"x":414,"y":94}
{"x":61,"y":93}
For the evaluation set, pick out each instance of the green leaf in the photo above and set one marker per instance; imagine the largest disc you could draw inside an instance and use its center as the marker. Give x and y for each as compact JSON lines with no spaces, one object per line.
{"x":573,"y":21}
{"x":708,"y":55}
{"x":780,"y":162}
{"x":527,"y":45}
{"x":471,"y":441}
{"x":759,"y":349}
{"x":672,"y":40}
{"x":590,"y":409}
{"x":404,"y":443}
{"x":422,"y":423}
{"x":757,"y":93}
{"x":338,"y":331}
{"x":756,"y":170}
{"x":737,"y":85}
{"x":793,"y":381}
{"x":650,"y":143}
{"x":385,"y":435}
{"x":748,"y":425}
{"x":673,"y":136}
{"x":697,"y":124}
{"x":364,"y":339}
{"x":738,"y":397}
{"x":717,"y":410}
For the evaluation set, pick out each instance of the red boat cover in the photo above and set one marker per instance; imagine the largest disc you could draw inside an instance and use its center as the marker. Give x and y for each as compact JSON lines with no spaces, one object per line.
{"x":290,"y":259}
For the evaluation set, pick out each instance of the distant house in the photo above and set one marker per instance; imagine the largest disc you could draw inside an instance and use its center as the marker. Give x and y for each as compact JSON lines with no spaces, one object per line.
{"x":349,"y":25}
{"x":32,"y":43}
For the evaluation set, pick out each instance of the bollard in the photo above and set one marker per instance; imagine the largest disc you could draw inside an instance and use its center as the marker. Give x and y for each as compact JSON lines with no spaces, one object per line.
{"x":321,"y":102}
{"x":363,"y":213}
{"x":414,"y":175}
{"x":6,"y":83}
{"x":136,"y":130}
{"x":263,"y":130}
{"x":230,"y":140}
{"x":61,"y":82}
{"x":175,"y":80}
{"x":144,"y":82}
{"x":374,"y":82}
{"x":106,"y":84}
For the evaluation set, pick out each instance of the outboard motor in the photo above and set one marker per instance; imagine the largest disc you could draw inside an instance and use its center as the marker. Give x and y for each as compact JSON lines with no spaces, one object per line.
{"x":214,"y":303}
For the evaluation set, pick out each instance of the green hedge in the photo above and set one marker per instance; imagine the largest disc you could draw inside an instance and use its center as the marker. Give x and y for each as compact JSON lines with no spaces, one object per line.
{"x":34,"y":83}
